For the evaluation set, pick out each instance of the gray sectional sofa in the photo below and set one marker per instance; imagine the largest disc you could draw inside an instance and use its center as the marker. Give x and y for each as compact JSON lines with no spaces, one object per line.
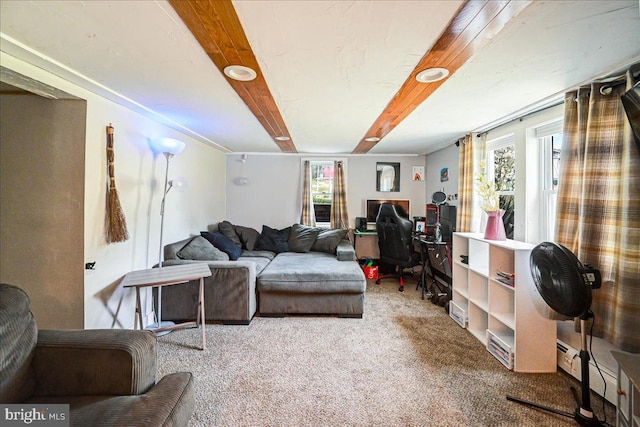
{"x":298,"y":270}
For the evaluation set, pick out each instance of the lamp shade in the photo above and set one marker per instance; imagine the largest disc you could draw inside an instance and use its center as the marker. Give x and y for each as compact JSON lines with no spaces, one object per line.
{"x":167,"y":145}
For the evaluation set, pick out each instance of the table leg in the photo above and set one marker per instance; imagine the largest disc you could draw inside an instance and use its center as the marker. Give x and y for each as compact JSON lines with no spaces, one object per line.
{"x":138,"y":316}
{"x":201,"y":313}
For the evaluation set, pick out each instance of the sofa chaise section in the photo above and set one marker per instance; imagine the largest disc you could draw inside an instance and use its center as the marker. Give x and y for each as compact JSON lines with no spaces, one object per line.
{"x":312,"y":283}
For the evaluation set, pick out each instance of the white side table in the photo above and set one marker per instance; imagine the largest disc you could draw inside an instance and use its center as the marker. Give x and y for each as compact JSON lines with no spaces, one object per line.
{"x":167,"y":276}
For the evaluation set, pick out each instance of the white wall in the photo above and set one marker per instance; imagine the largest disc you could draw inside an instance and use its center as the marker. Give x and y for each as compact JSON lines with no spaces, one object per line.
{"x":139,"y":180}
{"x":362,"y":184}
{"x":272,"y":194}
{"x":435,"y":162}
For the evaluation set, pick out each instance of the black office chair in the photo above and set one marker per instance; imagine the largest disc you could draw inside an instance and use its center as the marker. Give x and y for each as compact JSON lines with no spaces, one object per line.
{"x":395,"y":242}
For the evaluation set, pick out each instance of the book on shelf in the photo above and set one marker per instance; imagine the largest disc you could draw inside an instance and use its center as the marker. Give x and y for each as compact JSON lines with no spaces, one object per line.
{"x":505,"y":281}
{"x":505,"y":277}
{"x":505,"y":274}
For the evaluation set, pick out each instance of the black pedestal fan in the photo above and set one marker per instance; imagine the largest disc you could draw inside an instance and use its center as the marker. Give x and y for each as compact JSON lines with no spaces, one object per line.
{"x":565,"y":285}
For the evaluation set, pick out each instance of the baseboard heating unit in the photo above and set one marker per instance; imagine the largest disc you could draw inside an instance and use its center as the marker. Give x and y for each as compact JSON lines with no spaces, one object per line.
{"x":569,"y":361}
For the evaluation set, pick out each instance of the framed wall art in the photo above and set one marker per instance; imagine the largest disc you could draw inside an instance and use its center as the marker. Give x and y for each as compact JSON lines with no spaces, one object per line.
{"x":387,"y":176}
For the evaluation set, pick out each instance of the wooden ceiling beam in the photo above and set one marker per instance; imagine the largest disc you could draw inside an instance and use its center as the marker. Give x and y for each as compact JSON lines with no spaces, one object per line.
{"x":215,"y":25}
{"x":475,"y":24}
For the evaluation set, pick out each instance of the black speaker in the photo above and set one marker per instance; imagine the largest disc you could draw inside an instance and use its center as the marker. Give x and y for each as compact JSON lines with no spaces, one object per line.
{"x":432,"y":214}
{"x":361,"y":224}
{"x":448,"y":221}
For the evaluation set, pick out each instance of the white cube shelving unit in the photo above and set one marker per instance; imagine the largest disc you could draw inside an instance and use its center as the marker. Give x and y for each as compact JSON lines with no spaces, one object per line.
{"x":509,"y":320}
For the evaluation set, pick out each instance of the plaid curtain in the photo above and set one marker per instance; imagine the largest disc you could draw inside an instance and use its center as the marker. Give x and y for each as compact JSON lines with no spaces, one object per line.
{"x":598,"y":209}
{"x":339,"y":215}
{"x":465,"y":184}
{"x":472,"y":151}
{"x":308,"y":216}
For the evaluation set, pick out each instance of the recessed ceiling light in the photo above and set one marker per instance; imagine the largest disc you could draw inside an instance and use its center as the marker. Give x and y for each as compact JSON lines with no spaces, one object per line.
{"x":431,"y":75}
{"x":282,"y":138}
{"x":240,"y":72}
{"x":372,"y":139}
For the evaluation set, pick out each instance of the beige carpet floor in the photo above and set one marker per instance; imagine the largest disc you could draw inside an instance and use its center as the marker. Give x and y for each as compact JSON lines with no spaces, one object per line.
{"x":406,"y":363}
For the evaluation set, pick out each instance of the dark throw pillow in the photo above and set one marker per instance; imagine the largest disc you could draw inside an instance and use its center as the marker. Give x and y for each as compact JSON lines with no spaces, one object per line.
{"x":302,"y":237}
{"x":200,"y":249}
{"x":226,"y":228}
{"x":248,"y":236}
{"x":221,"y":242}
{"x":273,"y":240}
{"x":328,"y":240}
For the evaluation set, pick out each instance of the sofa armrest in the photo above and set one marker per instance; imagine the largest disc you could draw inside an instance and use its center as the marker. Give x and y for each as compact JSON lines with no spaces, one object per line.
{"x":345,"y":251}
{"x":94,"y":362}
{"x":171,"y":250}
{"x":170,"y":403}
{"x":177,"y":388}
{"x":246,"y":270}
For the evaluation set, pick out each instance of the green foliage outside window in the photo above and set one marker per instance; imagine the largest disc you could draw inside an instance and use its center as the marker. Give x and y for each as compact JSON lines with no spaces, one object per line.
{"x":321,"y":182}
{"x":504,"y":171}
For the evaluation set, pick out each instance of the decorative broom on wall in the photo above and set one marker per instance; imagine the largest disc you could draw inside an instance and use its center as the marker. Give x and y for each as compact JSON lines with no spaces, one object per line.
{"x":116,"y":222}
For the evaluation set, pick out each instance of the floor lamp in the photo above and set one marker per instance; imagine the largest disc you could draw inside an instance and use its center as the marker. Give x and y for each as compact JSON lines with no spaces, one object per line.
{"x":169,"y":147}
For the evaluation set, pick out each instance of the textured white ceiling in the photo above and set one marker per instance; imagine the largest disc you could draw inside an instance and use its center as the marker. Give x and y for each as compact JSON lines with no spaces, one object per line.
{"x":332,"y":66}
{"x":549,"y":48}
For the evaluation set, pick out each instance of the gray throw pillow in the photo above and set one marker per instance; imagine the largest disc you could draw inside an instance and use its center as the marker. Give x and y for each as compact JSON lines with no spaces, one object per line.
{"x":200,"y":249}
{"x":248,"y":236}
{"x":273,"y":240}
{"x":226,"y":228}
{"x":328,"y":240}
{"x":302,"y":237}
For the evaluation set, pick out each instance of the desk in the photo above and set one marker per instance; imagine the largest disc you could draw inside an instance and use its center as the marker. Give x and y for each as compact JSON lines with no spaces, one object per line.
{"x":167,"y":276}
{"x":436,"y":262}
{"x":365,"y":243}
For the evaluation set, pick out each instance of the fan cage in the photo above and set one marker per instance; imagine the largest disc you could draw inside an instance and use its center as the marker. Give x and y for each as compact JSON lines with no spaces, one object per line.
{"x":560,"y":279}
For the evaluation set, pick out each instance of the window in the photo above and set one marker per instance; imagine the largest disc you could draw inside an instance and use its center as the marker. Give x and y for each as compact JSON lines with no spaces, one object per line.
{"x":501,"y":167}
{"x":322,"y":189}
{"x":550,"y":139}
{"x":516,"y":152}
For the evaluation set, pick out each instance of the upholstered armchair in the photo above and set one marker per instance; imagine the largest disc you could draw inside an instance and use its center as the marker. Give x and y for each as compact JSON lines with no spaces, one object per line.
{"x":108,"y":377}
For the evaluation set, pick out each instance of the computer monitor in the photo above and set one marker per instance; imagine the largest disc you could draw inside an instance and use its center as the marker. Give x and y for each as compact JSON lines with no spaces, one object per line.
{"x":373,"y":206}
